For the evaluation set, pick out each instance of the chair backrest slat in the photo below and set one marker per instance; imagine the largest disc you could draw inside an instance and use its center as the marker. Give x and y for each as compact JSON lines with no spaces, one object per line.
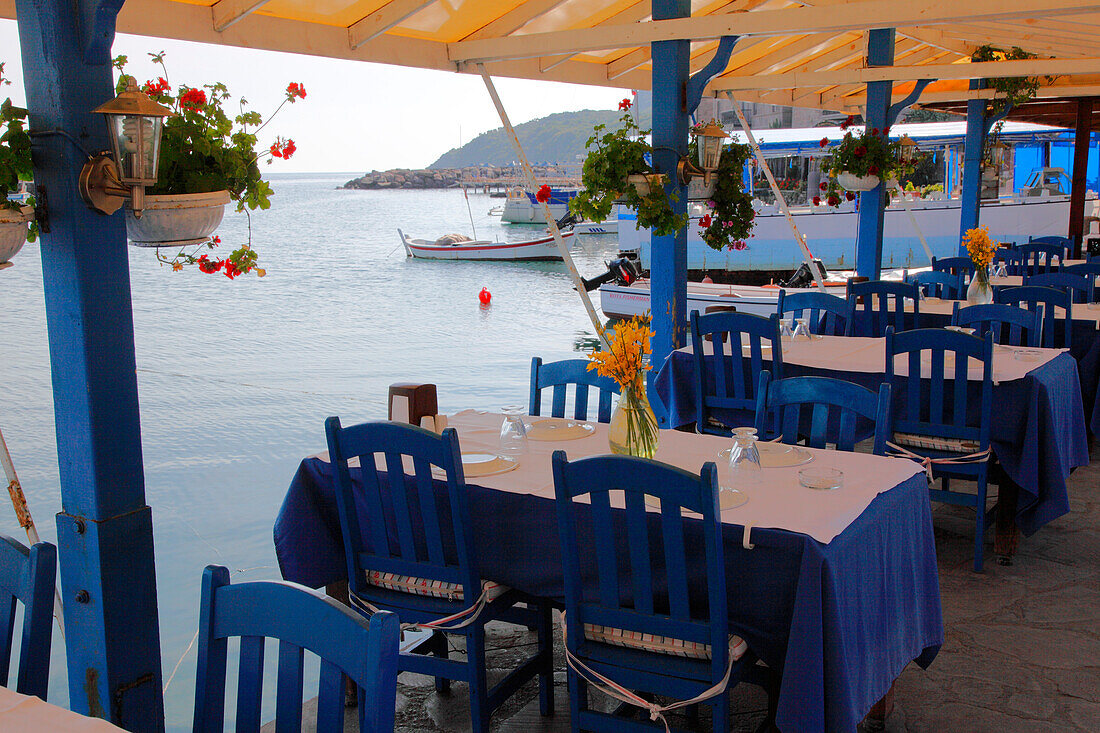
{"x":1057,"y":307}
{"x":395,"y":480}
{"x":672,"y":537}
{"x":560,"y":376}
{"x":301,"y":620}
{"x":637,"y":528}
{"x":1036,"y":258}
{"x":27,"y":575}
{"x":250,"y":683}
{"x":605,"y":550}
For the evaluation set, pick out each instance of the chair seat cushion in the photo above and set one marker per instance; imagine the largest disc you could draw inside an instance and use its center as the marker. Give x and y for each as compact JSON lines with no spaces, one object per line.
{"x":936,"y":442}
{"x":660,"y":644}
{"x":431,"y":588}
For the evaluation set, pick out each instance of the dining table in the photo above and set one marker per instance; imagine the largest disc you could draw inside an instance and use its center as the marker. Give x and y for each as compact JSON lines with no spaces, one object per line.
{"x":20,"y":712}
{"x":836,"y":590}
{"x":1038,"y":433}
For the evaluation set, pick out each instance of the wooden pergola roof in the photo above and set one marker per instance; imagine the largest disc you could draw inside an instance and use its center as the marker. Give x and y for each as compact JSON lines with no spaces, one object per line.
{"x":807,"y":53}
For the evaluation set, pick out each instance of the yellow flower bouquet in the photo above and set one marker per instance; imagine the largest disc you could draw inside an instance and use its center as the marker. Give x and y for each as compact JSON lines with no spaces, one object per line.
{"x":633,"y":430}
{"x":980,"y":248}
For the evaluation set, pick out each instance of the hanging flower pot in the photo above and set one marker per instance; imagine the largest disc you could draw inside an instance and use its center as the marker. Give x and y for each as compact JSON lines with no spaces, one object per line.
{"x":852,"y":182}
{"x":176,"y":219}
{"x":14,"y":226}
{"x":644,"y":183}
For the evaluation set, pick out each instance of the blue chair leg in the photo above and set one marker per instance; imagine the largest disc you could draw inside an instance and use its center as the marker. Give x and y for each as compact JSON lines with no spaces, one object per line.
{"x":720,"y":710}
{"x":479,"y":687}
{"x":578,"y":698}
{"x":441,"y":650}
{"x":546,"y":660}
{"x":979,"y":526}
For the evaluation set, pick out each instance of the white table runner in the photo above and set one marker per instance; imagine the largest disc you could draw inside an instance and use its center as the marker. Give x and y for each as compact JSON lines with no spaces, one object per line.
{"x":28,"y":713}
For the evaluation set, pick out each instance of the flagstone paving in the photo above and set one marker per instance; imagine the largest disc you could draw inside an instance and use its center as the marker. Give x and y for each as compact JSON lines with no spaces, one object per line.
{"x":1021,"y":651}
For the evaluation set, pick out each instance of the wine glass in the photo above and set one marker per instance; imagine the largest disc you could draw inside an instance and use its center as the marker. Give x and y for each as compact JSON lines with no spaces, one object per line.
{"x":785,"y":331}
{"x":802,"y":329}
{"x":744,"y":461}
{"x":513,"y":432}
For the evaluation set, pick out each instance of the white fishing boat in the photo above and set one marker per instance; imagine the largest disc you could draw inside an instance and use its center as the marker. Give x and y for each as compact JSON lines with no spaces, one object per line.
{"x":460,"y":247}
{"x":521,"y":207}
{"x":625,"y":301}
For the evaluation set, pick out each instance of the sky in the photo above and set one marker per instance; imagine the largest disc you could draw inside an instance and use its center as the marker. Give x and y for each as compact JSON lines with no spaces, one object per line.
{"x":357,"y":116}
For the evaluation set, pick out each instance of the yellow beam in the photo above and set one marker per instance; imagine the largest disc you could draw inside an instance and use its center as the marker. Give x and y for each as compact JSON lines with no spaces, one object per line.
{"x":852,"y":16}
{"x":381,"y":20}
{"x":514,"y":19}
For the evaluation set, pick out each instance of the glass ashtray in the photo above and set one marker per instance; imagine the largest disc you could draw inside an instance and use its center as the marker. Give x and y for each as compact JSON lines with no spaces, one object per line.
{"x":821,"y":478}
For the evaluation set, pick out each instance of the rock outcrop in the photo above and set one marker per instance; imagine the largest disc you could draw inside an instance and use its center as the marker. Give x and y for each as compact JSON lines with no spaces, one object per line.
{"x":404,"y":178}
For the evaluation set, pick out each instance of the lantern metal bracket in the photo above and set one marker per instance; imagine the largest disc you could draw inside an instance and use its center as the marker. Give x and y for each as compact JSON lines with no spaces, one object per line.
{"x":99,"y":185}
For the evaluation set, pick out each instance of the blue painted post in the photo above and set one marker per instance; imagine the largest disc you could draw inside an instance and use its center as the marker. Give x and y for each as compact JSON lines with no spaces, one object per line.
{"x":872,"y":204}
{"x":668,"y":267}
{"x":970,"y":205}
{"x":104,"y":531}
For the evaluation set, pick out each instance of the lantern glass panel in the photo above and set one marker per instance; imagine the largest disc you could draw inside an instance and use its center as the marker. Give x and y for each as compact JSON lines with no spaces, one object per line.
{"x":136,"y":142}
{"x":710,"y":152}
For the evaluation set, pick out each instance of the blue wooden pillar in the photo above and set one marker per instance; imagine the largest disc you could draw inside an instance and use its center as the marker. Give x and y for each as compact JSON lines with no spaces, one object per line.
{"x":970,"y":205}
{"x":104,"y":531}
{"x":872,"y":204}
{"x":668,"y":266}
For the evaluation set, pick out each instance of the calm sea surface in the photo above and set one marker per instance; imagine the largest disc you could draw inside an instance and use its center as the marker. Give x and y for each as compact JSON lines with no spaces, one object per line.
{"x":236,"y":378}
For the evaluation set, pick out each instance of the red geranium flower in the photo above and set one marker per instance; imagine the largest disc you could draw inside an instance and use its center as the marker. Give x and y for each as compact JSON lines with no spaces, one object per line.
{"x":874,"y":130}
{"x":824,"y":142}
{"x":625,"y":104}
{"x":817,"y":201}
{"x":705,"y":221}
{"x":823,"y":186}
{"x":834,"y":200}
{"x":860,"y":151}
{"x":193,"y":99}
{"x":209,"y":266}
{"x":156,"y":88}
{"x":283,"y":148}
{"x":886,"y":132}
{"x":543,"y":194}
{"x":295,"y":90}
{"x":849,"y":195}
{"x":739,"y":246}
{"x":216,"y":239}
{"x":873,"y":170}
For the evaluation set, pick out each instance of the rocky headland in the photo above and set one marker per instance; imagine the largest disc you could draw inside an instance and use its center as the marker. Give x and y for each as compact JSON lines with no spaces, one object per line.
{"x":405,"y":178}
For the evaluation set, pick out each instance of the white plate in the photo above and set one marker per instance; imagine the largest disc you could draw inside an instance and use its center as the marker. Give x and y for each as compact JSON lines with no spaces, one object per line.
{"x":483,"y":464}
{"x":776,"y":455}
{"x":558,"y":428}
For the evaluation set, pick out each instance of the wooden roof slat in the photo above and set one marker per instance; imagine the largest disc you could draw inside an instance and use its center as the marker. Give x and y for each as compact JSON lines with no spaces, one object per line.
{"x":381,"y":20}
{"x":227,"y":12}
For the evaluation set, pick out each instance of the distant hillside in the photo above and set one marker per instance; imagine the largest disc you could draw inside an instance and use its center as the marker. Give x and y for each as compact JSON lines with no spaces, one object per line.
{"x":558,"y":138}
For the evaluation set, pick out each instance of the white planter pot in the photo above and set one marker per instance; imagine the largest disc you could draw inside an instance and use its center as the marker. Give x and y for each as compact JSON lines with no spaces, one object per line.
{"x":176,"y":220}
{"x":850,"y":182}
{"x":643,"y":182}
{"x":13,"y":231}
{"x":698,"y":190}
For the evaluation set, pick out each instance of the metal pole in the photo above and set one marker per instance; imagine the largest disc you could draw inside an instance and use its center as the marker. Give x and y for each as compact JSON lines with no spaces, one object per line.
{"x":970,"y":203}
{"x":532,"y":185}
{"x":872,"y":204}
{"x":807,"y":255}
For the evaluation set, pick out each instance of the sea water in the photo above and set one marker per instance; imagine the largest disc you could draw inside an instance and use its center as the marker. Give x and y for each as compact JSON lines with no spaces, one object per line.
{"x":236,"y":378}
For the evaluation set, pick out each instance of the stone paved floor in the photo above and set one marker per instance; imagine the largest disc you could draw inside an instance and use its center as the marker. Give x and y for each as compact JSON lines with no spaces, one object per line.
{"x":1022,"y":649}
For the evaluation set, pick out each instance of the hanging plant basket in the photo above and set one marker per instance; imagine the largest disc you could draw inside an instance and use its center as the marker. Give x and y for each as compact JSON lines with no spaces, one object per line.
{"x":700,"y":188}
{"x":175,"y":220}
{"x":643,"y":183}
{"x":851,"y":182}
{"x":14,"y":226}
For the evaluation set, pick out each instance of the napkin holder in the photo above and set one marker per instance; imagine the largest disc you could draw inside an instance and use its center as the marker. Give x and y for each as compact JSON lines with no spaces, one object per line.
{"x":435,"y":423}
{"x":410,"y":403}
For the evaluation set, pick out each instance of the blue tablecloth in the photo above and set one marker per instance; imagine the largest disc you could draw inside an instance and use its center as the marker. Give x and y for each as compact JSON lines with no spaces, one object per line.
{"x":840,"y":621}
{"x":1038,"y":432}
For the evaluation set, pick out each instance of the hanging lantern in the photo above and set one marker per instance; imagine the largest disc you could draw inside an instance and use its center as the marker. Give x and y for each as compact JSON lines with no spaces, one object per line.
{"x":709,"y":140}
{"x":134,"y":123}
{"x":998,"y":152}
{"x":907,"y":149}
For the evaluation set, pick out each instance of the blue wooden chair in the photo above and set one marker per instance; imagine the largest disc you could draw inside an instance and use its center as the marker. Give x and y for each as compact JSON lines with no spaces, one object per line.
{"x":940,"y":417}
{"x":936,"y":284}
{"x":302,"y":620}
{"x":414,"y":558}
{"x":559,"y":375}
{"x":827,"y":314}
{"x":729,"y":384}
{"x":878,"y":304}
{"x":813,"y":407}
{"x":628,"y":616}
{"x":1036,"y":258}
{"x":960,"y":266}
{"x":27,"y":576}
{"x":1089,"y":270}
{"x":1080,"y":287}
{"x":1064,"y":242}
{"x":1009,"y":324}
{"x":1007,"y":256}
{"x":1057,"y":309}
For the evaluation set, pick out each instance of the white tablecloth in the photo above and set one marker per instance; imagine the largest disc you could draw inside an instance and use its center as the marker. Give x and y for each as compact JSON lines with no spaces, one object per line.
{"x":19,"y":713}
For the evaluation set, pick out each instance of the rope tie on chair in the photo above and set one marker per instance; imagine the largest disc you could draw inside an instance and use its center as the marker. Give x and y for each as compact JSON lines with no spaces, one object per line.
{"x":927,"y":462}
{"x":465,"y":617}
{"x":617,"y":692}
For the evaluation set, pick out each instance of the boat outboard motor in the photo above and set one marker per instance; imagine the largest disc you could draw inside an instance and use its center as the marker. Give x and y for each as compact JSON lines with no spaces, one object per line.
{"x":621,"y":269}
{"x":802,"y":277}
{"x":568,"y":220}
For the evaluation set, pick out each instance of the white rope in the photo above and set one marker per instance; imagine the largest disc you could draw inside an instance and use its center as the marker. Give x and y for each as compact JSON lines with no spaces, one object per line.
{"x":440,"y":624}
{"x":551,"y":222}
{"x":927,"y":462}
{"x":616,"y":691}
{"x":807,"y":256}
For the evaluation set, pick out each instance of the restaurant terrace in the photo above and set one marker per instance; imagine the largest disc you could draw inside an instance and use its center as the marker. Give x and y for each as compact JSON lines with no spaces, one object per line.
{"x":820,"y":599}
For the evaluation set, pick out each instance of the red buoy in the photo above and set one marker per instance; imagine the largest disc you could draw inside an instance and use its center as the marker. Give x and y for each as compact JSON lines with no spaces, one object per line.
{"x":706,"y":279}
{"x":485,"y":296}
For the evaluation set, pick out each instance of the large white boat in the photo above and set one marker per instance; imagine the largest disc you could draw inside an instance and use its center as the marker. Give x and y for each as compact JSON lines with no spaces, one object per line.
{"x":625,"y":301}
{"x":521,"y":207}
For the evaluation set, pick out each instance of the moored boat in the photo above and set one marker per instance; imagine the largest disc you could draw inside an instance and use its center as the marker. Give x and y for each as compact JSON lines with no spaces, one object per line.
{"x":459,"y":247}
{"x":625,"y":301}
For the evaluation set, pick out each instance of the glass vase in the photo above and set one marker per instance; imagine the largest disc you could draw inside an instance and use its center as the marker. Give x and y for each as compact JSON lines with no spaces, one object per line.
{"x":979,"y":291}
{"x":633,"y":430}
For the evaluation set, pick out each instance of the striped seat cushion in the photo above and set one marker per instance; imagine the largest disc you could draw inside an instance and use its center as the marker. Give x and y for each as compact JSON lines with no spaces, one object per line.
{"x":659,"y":644}
{"x":431,"y":588}
{"x":935,"y":442}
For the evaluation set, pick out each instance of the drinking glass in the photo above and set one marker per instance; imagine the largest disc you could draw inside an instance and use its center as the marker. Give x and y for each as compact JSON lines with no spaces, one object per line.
{"x":1000,"y":270}
{"x":785,"y":331}
{"x":744,"y":459}
{"x":802,"y":330}
{"x":513,"y":432}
